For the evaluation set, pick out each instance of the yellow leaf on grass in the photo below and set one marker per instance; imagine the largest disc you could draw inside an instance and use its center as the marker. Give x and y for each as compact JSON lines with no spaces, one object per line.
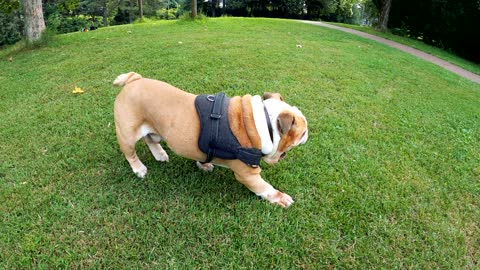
{"x":77,"y":90}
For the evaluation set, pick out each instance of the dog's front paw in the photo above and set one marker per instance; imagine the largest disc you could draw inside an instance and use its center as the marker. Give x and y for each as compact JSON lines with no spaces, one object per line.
{"x":282,"y":199}
{"x":274,"y":196}
{"x":207,"y":167}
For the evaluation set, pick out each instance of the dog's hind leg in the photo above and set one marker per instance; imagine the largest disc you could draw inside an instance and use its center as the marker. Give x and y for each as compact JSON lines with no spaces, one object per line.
{"x":153,"y":142}
{"x":127,"y":146}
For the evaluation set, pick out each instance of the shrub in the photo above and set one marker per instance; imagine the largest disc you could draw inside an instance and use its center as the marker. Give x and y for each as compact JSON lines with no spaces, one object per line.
{"x":167,"y":14}
{"x":62,"y":24}
{"x":186,"y":16}
{"x":12,"y":28}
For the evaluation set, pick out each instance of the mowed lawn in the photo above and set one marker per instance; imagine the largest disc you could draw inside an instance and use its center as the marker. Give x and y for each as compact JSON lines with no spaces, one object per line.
{"x":389,"y":178}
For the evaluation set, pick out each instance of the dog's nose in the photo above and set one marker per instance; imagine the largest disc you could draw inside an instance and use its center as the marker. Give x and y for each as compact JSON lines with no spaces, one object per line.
{"x":283,"y":155}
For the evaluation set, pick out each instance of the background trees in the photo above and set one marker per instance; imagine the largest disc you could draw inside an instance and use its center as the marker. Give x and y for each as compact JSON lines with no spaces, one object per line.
{"x":449,"y":24}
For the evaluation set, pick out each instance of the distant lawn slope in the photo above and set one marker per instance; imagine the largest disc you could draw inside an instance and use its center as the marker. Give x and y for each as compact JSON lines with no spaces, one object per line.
{"x":390,"y":177}
{"x":419,"y":45}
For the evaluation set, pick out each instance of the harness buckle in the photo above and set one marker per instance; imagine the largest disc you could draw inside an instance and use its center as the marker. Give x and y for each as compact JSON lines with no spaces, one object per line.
{"x":211,"y":98}
{"x":215,"y":116}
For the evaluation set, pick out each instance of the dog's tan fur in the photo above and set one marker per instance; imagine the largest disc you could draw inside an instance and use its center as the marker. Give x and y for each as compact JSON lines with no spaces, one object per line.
{"x":155,"y":111}
{"x":240,"y":122}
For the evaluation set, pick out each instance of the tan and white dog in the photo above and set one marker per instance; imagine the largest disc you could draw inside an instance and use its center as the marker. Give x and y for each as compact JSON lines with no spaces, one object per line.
{"x":156,"y":111}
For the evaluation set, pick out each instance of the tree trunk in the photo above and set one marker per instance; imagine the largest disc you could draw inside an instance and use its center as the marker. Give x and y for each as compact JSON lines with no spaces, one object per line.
{"x":385,"y":12}
{"x":130,"y":12}
{"x":105,"y":14}
{"x":194,"y":8}
{"x":140,"y":9}
{"x":214,"y":7}
{"x":34,"y":23}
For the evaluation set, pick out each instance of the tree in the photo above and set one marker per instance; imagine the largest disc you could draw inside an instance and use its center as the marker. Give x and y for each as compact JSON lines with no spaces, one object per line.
{"x":34,"y":22}
{"x":140,"y":9}
{"x":194,"y":8}
{"x":130,"y":11}
{"x":449,"y":24}
{"x":102,"y":8}
{"x":317,"y":8}
{"x":384,"y":14}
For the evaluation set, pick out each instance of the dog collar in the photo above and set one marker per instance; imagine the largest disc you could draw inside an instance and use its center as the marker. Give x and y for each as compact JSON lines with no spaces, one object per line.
{"x":269,"y":123}
{"x":263,"y":124}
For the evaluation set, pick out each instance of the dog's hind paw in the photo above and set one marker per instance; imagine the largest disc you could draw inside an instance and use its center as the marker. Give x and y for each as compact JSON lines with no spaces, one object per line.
{"x":207,"y":167}
{"x":141,"y":172}
{"x":162,"y":156}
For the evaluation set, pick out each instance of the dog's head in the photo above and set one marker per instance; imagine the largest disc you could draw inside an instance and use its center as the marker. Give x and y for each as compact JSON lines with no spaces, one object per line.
{"x":288,"y":124}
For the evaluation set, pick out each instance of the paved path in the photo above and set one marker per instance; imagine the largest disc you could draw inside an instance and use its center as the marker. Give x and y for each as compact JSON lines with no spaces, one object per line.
{"x":428,"y":57}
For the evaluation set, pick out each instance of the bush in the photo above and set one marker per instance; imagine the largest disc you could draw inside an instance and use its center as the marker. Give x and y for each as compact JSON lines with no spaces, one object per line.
{"x":62,"y":24}
{"x":122,"y":17}
{"x":167,"y":14}
{"x":186,"y":16}
{"x":12,"y":28}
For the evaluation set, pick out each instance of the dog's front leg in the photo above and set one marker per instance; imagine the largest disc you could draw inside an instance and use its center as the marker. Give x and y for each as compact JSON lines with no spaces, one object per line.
{"x":250,"y":177}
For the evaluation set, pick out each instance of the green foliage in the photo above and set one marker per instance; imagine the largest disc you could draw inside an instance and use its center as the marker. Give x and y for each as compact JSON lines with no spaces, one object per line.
{"x":123,"y":16}
{"x":448,"y":24}
{"x":11,"y":30}
{"x":66,"y":24}
{"x":167,"y":14}
{"x":66,"y":7}
{"x":186,"y":17}
{"x":8,"y":6}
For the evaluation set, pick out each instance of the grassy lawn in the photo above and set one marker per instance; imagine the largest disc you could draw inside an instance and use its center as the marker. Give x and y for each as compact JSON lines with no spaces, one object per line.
{"x":390,"y":176}
{"x":419,"y":45}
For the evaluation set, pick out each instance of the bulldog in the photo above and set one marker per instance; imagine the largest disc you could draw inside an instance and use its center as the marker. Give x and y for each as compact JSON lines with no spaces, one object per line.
{"x":232,"y":132}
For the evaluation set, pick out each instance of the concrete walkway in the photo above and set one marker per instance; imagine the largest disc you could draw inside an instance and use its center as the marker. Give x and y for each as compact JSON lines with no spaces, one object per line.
{"x":428,"y":57}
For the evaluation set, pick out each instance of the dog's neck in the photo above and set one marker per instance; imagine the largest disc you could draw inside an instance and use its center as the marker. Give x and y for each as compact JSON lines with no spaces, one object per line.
{"x":264,"y":126}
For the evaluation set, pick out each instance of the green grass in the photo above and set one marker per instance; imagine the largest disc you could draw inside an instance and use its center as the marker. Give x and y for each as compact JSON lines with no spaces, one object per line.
{"x":419,"y":45}
{"x":390,"y":176}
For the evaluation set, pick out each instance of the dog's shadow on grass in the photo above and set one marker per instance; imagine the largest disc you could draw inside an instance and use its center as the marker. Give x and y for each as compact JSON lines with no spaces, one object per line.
{"x":177,"y":179}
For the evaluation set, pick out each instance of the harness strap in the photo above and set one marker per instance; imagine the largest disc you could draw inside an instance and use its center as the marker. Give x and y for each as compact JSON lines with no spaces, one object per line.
{"x":216,"y":139}
{"x":215,"y":116}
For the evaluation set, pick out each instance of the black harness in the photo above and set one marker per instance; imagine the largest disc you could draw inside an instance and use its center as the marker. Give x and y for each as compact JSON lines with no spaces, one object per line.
{"x":216,"y":138}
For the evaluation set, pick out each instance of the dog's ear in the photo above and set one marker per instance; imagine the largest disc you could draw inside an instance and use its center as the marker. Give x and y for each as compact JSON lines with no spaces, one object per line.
{"x":285,"y":121}
{"x":268,"y":95}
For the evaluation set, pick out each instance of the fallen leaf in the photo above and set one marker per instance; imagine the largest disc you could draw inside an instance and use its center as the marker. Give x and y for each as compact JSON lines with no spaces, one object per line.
{"x":77,"y":90}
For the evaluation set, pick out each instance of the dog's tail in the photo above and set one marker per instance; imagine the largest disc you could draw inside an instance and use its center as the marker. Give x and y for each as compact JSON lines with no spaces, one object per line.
{"x":126,"y":78}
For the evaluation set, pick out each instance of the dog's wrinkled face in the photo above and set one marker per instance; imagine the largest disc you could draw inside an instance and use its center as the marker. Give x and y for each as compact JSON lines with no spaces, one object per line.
{"x":289,"y":126}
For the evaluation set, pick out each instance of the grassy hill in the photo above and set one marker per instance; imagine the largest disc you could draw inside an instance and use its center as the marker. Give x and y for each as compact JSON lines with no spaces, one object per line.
{"x":390,"y":176}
